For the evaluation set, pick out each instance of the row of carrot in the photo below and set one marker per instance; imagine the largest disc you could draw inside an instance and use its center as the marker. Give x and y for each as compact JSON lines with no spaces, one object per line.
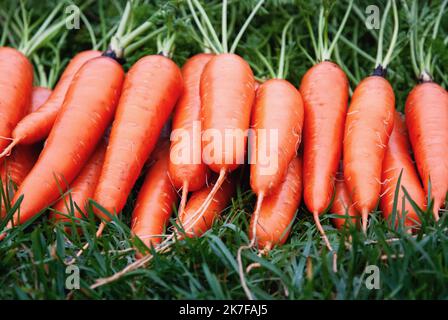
{"x":368,"y":138}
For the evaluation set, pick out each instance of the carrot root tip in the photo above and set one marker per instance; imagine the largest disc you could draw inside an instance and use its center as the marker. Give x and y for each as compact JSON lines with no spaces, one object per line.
{"x":8,"y":149}
{"x":183,"y":199}
{"x":435,"y":212}
{"x":365,"y":219}
{"x":191,"y":222}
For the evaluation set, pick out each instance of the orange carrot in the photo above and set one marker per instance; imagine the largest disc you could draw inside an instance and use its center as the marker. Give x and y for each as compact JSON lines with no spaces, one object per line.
{"x":155,"y":202}
{"x":151,"y":89}
{"x":37,"y":125}
{"x":16,"y":167}
{"x":279,"y":208}
{"x":189,"y":173}
{"x":427,"y":123}
{"x":81,"y":189}
{"x":16,"y":88}
{"x":270,"y":157}
{"x":278,"y":109}
{"x":369,"y":124}
{"x":87,"y":110}
{"x":342,"y":204}
{"x":227,"y":96}
{"x":194,"y":226}
{"x":325,"y":94}
{"x":396,"y":160}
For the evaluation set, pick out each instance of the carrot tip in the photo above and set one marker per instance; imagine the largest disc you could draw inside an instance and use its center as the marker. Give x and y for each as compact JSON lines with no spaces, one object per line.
{"x":98,"y":234}
{"x":183,"y":200}
{"x":196,"y":216}
{"x":322,"y":231}
{"x":256,"y":218}
{"x":436,"y":212}
{"x":364,"y":218}
{"x":9,"y":148}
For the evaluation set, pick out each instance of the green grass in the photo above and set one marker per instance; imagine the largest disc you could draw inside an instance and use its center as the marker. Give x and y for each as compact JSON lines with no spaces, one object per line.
{"x":33,"y":257}
{"x":411,"y":267}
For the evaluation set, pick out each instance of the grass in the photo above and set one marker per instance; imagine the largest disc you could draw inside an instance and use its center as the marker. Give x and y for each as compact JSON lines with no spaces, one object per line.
{"x":411,"y":267}
{"x":33,"y":258}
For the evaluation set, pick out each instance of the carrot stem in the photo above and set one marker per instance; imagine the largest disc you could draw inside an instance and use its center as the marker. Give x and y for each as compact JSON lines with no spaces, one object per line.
{"x":393,"y":41}
{"x":281,"y":64}
{"x":208,"y":23}
{"x":201,"y":28}
{"x":224,"y":27}
{"x":341,"y":27}
{"x":245,"y":25}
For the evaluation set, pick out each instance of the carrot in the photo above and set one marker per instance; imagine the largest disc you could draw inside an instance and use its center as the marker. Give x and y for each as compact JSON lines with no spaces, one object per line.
{"x":37,"y":125}
{"x":81,"y":189}
{"x":87,"y":110}
{"x":265,"y":178}
{"x":155,"y":202}
{"x":227,"y":94}
{"x":426,"y":109}
{"x":20,"y":163}
{"x":397,"y":160}
{"x":324,"y":89}
{"x":15,"y":86}
{"x":189,"y":173}
{"x":276,"y":124}
{"x":150,"y":91}
{"x":194,"y":226}
{"x":279,"y":208}
{"x":227,"y":91}
{"x":325,"y":94}
{"x":22,"y":159}
{"x":427,"y":122}
{"x":369,"y":124}
{"x":342,"y":204}
{"x":39,"y":96}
